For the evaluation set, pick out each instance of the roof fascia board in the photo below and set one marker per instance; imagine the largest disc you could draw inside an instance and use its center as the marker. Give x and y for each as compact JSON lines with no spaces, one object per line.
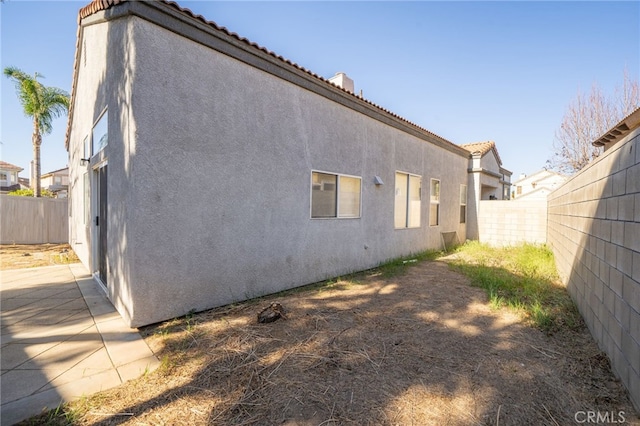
{"x":177,"y":22}
{"x":620,"y":130}
{"x":485,"y":172}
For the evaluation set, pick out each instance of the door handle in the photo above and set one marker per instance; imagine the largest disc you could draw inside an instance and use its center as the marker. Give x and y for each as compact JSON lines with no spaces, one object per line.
{"x":97,"y":220}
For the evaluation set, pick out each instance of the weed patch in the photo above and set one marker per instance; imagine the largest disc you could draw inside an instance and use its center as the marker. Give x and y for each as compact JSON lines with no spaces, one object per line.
{"x":523,"y":278}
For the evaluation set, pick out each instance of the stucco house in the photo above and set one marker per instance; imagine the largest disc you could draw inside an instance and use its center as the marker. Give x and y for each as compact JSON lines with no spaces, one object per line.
{"x":299,"y":178}
{"x":488,"y":180}
{"x":56,"y":182}
{"x":538,"y":185}
{"x":9,"y":180}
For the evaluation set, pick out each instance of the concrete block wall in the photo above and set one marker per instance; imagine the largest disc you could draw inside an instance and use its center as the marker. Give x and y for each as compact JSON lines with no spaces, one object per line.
{"x":507,"y":223}
{"x":594,"y":231}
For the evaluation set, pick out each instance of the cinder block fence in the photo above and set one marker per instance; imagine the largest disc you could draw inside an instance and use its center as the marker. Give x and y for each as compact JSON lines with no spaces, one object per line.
{"x":594,"y":231}
{"x":509,"y":223}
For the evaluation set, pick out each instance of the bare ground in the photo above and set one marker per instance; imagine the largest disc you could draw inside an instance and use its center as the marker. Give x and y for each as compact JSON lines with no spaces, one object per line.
{"x":420,"y":348}
{"x":16,"y":256}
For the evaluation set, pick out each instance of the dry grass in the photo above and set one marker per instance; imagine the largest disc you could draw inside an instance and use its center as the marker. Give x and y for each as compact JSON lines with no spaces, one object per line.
{"x":416,"y":347}
{"x":17,"y":256}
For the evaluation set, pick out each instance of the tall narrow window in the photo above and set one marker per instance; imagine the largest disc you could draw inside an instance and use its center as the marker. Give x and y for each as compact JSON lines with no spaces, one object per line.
{"x":434,"y":210}
{"x":87,"y":200}
{"x":86,"y":148}
{"x":335,"y":195}
{"x":100,"y":136}
{"x":463,"y":203}
{"x":407,"y":201}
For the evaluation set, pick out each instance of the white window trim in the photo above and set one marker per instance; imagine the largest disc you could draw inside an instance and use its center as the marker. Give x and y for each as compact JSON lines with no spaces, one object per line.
{"x":406,"y":220}
{"x":431,"y":202}
{"x":338,"y":175}
{"x":93,"y":127}
{"x":463,"y":201}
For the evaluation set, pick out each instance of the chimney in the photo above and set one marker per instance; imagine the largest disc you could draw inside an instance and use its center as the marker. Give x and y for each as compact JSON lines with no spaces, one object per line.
{"x":341,"y":80}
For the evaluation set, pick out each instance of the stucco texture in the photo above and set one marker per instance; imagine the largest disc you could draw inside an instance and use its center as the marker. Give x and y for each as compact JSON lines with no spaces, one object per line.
{"x":210,"y":163}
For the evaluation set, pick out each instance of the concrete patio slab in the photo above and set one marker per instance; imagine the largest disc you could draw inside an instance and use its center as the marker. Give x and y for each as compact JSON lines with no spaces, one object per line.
{"x":61,"y":339}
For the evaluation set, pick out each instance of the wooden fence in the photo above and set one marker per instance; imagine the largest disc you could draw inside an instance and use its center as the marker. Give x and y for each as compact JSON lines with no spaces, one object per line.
{"x":29,"y":220}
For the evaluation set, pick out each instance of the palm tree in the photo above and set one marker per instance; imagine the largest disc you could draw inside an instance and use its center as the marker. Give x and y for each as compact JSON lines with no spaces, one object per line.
{"x":42,"y":104}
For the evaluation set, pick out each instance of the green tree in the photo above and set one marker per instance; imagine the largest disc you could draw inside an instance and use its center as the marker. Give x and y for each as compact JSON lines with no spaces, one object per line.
{"x":42,"y":104}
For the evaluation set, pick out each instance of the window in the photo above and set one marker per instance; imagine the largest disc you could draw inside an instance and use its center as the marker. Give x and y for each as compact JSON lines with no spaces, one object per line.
{"x":434,"y":211}
{"x":463,"y":203}
{"x":87,"y":200}
{"x":87,"y":148}
{"x":408,"y":199}
{"x":334,"y":195}
{"x":100,"y":136}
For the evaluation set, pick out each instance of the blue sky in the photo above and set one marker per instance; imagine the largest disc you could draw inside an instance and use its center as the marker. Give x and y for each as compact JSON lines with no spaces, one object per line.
{"x":467,"y":71}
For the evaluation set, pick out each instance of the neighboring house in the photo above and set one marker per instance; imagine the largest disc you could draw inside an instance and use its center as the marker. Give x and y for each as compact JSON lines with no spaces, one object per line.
{"x":538,"y":185}
{"x":9,"y":180}
{"x":488,"y":180}
{"x":56,"y":182}
{"x":297,"y":179}
{"x":24,"y":183}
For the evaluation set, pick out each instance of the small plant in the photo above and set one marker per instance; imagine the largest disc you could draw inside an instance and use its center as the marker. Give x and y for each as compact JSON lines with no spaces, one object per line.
{"x":190,"y":320}
{"x":166,"y":365}
{"x":541,"y":317}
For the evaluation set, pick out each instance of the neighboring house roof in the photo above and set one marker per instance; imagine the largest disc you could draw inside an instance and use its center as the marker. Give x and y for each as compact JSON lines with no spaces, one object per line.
{"x":620,"y":130}
{"x":549,"y":173}
{"x":481,"y":148}
{"x":100,"y":5}
{"x":8,"y":166}
{"x":10,"y":188}
{"x":66,"y":169}
{"x":531,"y":194}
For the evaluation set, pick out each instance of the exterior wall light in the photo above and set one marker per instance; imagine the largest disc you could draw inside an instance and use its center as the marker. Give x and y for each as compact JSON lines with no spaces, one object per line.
{"x":378,"y":180}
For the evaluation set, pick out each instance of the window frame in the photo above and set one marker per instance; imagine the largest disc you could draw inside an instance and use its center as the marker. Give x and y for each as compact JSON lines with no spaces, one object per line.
{"x":434,"y":202}
{"x":97,"y":125}
{"x":338,"y":177}
{"x":463,"y":203}
{"x":409,"y":220}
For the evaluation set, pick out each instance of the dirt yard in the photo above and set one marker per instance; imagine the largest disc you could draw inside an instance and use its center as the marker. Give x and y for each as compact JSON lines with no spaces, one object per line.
{"x":419,"y":348}
{"x":15,"y":256}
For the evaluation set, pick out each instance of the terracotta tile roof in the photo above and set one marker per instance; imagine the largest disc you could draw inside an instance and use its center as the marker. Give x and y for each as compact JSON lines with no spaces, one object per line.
{"x":482,"y":148}
{"x":8,"y":166}
{"x":99,"y":5}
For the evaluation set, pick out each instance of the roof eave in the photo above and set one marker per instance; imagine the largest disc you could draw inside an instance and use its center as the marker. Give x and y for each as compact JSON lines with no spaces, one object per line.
{"x":620,"y":130}
{"x":383,"y":114}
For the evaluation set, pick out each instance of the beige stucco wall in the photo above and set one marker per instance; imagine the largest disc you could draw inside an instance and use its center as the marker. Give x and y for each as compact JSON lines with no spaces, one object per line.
{"x":210,"y":163}
{"x":594,"y":229}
